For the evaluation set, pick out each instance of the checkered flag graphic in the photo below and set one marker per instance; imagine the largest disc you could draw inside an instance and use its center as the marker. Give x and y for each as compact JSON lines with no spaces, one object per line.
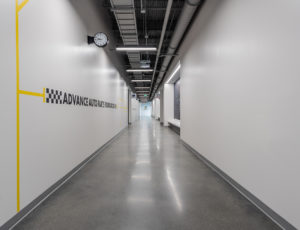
{"x":54,"y":96}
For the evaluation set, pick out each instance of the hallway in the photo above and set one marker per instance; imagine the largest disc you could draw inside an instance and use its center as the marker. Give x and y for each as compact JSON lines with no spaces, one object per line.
{"x":146,"y":179}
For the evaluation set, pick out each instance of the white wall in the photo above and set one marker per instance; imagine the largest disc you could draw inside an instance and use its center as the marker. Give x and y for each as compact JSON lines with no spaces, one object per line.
{"x":240,"y":90}
{"x":168,"y":106}
{"x":54,"y":138}
{"x":161,"y":108}
{"x":153,"y":108}
{"x":8,"y":111}
{"x":135,"y":110}
{"x":157,"y":108}
{"x":130,"y":108}
{"x":155,"y":112}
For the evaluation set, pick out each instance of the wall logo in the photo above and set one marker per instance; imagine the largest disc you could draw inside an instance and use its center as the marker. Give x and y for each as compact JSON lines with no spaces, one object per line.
{"x":59,"y":97}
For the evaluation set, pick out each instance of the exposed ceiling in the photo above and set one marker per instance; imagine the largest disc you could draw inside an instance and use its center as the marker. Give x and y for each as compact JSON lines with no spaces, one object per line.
{"x":139,"y":23}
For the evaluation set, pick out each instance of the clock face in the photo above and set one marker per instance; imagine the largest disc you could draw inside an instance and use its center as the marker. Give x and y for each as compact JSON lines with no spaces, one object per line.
{"x":100,"y":39}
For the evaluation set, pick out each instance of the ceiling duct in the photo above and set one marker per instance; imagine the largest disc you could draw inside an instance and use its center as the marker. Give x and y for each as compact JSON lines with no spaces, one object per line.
{"x":124,"y":12}
{"x":190,"y":6}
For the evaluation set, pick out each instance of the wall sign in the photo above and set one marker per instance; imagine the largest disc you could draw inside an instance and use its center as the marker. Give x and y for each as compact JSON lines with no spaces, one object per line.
{"x":59,"y":97}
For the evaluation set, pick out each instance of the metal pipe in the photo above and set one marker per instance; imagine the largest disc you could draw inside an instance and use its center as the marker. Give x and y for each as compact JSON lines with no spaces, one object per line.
{"x":166,"y":19}
{"x":190,"y":6}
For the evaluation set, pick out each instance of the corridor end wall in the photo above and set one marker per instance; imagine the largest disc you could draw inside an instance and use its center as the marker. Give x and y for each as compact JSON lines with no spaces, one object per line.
{"x":240,"y":90}
{"x":53,"y":137}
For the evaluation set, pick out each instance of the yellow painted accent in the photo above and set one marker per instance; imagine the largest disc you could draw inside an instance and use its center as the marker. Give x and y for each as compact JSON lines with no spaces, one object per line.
{"x":20,"y":7}
{"x":31,"y":93}
{"x":17,"y":107}
{"x":18,"y":92}
{"x":44,"y":95}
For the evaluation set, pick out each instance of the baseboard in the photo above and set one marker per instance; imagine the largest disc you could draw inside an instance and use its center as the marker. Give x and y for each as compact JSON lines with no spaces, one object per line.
{"x":174,"y":128}
{"x":277,"y":219}
{"x":11,"y":223}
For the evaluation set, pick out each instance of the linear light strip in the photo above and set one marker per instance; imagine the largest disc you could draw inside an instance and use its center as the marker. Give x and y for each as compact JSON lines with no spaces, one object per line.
{"x":138,"y":70}
{"x":136,"y":48}
{"x":173,"y":74}
{"x":141,"y":80}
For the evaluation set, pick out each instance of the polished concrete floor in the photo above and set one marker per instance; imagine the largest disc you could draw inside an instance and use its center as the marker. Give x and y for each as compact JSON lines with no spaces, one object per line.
{"x":146,"y":180}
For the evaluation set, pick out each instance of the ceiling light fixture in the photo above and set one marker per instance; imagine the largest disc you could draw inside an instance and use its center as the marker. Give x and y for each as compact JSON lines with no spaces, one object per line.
{"x":140,"y":48}
{"x":173,"y":74}
{"x":141,"y":80}
{"x":142,"y":87}
{"x":139,"y":70}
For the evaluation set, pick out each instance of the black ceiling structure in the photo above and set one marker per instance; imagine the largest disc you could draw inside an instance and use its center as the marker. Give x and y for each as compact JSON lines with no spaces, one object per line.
{"x":149,"y":20}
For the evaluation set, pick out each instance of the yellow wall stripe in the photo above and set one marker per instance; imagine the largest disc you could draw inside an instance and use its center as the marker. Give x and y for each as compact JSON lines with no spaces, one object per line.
{"x":44,"y":95}
{"x":20,"y":7}
{"x":31,"y":93}
{"x":18,"y":92}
